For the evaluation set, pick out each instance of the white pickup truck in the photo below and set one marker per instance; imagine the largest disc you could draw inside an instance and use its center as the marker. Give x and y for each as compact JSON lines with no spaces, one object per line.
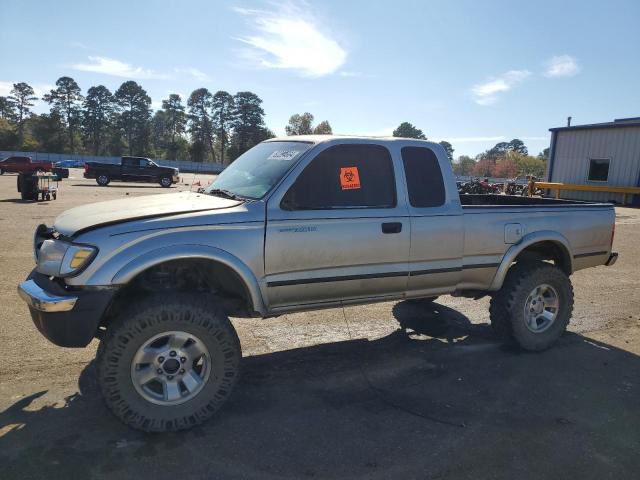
{"x":294,"y":224}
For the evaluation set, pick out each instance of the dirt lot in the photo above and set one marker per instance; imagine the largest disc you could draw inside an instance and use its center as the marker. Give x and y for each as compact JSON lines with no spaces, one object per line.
{"x":384,"y":391}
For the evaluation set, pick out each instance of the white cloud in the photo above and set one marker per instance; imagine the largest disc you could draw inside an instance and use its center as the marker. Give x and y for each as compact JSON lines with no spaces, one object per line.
{"x":194,"y":72}
{"x":290,"y":39}
{"x":5,"y":88}
{"x":345,"y":73}
{"x":39,"y":88}
{"x":561,"y":66}
{"x":487,"y":93}
{"x":109,"y":66}
{"x":533,"y":138}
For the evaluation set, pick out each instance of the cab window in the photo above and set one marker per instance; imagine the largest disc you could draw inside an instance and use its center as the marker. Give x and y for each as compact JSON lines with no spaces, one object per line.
{"x":345,"y":176}
{"x":424,"y":177}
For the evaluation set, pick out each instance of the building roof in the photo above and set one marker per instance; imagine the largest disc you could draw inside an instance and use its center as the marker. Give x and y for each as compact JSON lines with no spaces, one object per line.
{"x":617,"y":123}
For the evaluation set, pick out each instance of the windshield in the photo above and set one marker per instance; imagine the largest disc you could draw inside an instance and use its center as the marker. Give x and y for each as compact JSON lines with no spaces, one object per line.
{"x":254,"y":172}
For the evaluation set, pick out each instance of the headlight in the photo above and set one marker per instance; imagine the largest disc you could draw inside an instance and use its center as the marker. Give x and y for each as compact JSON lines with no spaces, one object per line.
{"x":76,"y":258}
{"x":61,"y":259}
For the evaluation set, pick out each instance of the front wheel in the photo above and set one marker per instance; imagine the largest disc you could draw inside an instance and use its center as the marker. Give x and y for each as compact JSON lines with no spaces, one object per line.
{"x":168,"y":363}
{"x":534,"y":305}
{"x":103,"y":179}
{"x":166,"y":182}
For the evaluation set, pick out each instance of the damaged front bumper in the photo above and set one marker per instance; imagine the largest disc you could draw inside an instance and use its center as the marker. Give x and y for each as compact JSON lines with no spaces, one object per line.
{"x":68,"y":318}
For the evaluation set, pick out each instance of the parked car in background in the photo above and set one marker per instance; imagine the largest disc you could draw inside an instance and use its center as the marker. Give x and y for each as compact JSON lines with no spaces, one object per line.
{"x":70,"y":164}
{"x":18,"y":164}
{"x":131,"y":169}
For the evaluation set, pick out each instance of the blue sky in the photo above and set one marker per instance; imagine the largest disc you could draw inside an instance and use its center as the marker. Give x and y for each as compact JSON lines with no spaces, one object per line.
{"x":473,"y":73}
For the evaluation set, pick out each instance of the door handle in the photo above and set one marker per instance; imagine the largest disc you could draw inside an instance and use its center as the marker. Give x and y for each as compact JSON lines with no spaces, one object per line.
{"x":392,"y":227}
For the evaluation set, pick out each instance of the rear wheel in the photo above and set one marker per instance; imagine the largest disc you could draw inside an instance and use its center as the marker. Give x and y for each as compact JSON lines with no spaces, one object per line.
{"x":534,"y":305}
{"x":1,"y":171}
{"x":165,"y":182}
{"x":103,"y":179}
{"x":168,"y":363}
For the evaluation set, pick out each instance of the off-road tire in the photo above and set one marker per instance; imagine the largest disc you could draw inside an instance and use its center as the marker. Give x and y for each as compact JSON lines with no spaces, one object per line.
{"x":103,"y":179}
{"x":508,"y":304}
{"x":195,"y":314}
{"x":166,"y":182}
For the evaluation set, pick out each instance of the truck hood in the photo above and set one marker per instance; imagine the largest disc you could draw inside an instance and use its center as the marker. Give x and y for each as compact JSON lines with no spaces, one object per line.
{"x":93,"y":215}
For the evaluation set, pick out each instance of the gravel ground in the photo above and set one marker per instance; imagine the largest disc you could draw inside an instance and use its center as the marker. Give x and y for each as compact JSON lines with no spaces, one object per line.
{"x":391,"y":390}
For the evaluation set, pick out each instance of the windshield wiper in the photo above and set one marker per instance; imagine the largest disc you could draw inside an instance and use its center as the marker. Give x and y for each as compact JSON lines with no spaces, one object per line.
{"x":226,"y":194}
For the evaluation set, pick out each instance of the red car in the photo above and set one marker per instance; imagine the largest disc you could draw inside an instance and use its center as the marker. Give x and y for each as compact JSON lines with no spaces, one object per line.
{"x":23,"y":165}
{"x":27,"y":165}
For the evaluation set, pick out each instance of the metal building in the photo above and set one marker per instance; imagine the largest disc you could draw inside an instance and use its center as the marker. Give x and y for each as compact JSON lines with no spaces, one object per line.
{"x":596,"y":154}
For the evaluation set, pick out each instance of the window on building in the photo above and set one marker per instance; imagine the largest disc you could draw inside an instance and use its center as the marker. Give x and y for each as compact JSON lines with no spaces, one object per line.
{"x":598,"y":170}
{"x":345,"y":176}
{"x":424,"y":178}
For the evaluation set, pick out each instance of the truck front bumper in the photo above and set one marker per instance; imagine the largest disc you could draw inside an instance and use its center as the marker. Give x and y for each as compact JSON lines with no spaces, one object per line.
{"x":67,"y":319}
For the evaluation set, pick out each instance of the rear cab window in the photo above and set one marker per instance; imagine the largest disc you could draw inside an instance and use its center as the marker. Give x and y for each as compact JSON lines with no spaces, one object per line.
{"x":345,"y":176}
{"x":425,"y":184}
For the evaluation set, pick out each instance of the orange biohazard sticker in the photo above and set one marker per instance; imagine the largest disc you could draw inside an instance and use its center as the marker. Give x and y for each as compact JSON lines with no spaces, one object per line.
{"x":349,"y":178}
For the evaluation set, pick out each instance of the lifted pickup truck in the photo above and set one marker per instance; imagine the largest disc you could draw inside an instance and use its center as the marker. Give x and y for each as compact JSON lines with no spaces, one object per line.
{"x":131,"y":169}
{"x":294,"y":224}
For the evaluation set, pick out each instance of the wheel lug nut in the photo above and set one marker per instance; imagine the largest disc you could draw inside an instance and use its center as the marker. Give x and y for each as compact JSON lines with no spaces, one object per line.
{"x":159,"y":370}
{"x":182,"y":370}
{"x":183,"y":359}
{"x":161,"y":359}
{"x":170,"y":377}
{"x":172,"y":353}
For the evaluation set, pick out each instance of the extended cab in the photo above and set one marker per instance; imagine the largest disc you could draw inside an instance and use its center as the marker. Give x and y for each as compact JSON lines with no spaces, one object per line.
{"x":131,"y":169}
{"x":295,"y":224}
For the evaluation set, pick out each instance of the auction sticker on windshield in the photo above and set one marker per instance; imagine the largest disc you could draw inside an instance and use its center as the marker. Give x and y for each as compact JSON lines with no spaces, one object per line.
{"x":283,"y":155}
{"x":349,"y":178}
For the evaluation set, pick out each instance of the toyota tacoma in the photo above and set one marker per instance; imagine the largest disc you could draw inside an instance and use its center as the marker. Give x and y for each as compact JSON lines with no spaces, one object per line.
{"x":294,"y":224}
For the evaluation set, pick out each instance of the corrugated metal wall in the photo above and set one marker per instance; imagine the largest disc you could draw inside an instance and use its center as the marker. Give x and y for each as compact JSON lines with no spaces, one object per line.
{"x":574,"y":149}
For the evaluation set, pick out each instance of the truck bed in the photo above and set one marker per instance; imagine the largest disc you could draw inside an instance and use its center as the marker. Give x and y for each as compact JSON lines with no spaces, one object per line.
{"x":484,"y":200}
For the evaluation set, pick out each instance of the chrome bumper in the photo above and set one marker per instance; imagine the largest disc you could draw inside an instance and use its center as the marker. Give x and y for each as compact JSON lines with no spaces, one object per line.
{"x":43,"y":301}
{"x":613,"y":258}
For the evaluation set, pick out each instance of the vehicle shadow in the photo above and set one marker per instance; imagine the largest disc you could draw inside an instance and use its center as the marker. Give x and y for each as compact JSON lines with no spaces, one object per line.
{"x":437,"y":398}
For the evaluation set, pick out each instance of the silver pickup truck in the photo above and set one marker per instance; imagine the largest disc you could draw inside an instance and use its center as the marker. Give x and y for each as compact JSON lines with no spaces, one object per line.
{"x":294,"y":224}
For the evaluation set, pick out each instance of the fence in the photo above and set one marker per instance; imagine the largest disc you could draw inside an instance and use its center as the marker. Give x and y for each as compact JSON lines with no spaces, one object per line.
{"x":184,"y":166}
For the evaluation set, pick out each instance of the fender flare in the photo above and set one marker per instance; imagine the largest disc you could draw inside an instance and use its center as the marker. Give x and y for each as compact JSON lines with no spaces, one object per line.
{"x":189,"y":251}
{"x":528,"y":240}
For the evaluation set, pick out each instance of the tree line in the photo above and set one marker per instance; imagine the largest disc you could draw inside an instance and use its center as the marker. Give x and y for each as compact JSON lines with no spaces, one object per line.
{"x":503,"y":160}
{"x":215,"y":127}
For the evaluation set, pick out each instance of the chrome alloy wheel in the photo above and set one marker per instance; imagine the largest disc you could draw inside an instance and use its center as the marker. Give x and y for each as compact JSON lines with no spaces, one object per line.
{"x":541,"y":308}
{"x":165,"y":182}
{"x":171,"y":368}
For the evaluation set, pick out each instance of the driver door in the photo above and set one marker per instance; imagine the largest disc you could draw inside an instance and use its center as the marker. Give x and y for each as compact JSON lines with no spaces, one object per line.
{"x":340,"y":232}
